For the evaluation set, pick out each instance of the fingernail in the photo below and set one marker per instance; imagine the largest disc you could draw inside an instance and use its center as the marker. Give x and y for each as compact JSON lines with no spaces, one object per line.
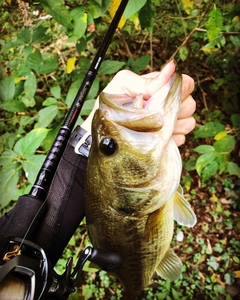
{"x":168,"y":64}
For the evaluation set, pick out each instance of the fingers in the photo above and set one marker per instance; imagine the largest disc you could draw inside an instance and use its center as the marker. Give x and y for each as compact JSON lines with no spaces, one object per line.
{"x":187,"y":108}
{"x":179,"y":139}
{"x":187,"y":86}
{"x":132,"y":84}
{"x":184,"y":126}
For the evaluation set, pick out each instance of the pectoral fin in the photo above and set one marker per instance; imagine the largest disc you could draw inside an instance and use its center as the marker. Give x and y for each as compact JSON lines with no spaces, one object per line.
{"x":170,"y":267}
{"x":182,"y":211}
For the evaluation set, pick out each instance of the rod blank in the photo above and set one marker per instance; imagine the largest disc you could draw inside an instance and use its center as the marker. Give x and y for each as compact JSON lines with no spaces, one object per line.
{"x":48,"y":169}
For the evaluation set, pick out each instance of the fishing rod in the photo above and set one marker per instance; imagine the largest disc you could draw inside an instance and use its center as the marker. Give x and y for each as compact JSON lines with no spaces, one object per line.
{"x":34,"y":257}
{"x":34,"y":202}
{"x":46,"y":173}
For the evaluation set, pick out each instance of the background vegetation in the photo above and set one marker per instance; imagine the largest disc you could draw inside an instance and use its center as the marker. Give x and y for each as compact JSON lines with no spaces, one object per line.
{"x":46,"y":48}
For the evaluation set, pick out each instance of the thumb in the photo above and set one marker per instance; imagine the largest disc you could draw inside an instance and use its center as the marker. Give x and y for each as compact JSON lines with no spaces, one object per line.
{"x":156,"y":80}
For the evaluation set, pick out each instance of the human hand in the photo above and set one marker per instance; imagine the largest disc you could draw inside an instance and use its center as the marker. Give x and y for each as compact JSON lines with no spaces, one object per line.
{"x":127,"y":82}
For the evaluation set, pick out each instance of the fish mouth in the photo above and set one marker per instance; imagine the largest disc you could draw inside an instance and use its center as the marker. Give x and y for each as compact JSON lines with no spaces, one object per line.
{"x":141,"y":114}
{"x":130,"y":113}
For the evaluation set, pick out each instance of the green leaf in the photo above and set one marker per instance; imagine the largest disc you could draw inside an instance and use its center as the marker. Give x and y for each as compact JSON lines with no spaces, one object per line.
{"x":210,"y":129}
{"x":8,"y":184}
{"x":12,"y":44}
{"x":81,"y":45}
{"x":72,"y":92}
{"x":235,"y":40}
{"x":49,"y":101}
{"x":204,"y":148}
{"x":83,"y":64}
{"x":7,"y":140}
{"x":176,"y":294}
{"x":93,"y":93}
{"x":40,"y":34}
{"x":32,"y":166}
{"x":48,"y":141}
{"x":13,"y":106}
{"x":56,"y":91}
{"x":213,"y":263}
{"x":209,"y":170}
{"x":228,"y":279}
{"x":79,"y":16}
{"x":183,"y":53}
{"x":58,"y":11}
{"x":204,"y":160}
{"x":49,"y":65}
{"x":139,"y":64}
{"x":46,"y":115}
{"x":110,"y":67}
{"x":7,"y":157}
{"x":233,"y":169}
{"x":133,"y":7}
{"x":218,"y":289}
{"x":97,"y":9}
{"x":24,"y":70}
{"x":161,"y":295}
{"x":190,"y":164}
{"x":225,"y":145}
{"x":87,"y":107}
{"x":24,"y":35}
{"x":7,"y":89}
{"x":30,"y":142}
{"x":27,"y":51}
{"x":222,"y":163}
{"x":30,"y":85}
{"x":28,"y":100}
{"x":34,"y":60}
{"x":146,"y":16}
{"x":214,"y":24}
{"x":75,"y":87}
{"x":236,"y":120}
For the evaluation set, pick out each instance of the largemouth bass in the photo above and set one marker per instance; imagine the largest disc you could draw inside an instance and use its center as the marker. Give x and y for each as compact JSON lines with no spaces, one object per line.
{"x":132,"y":189}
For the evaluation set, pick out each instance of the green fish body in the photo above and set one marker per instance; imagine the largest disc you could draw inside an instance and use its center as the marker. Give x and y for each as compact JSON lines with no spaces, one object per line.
{"x":132,"y":188}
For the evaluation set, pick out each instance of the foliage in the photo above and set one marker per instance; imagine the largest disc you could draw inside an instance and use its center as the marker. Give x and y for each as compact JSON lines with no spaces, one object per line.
{"x":46,"y":49}
{"x":215,"y":158}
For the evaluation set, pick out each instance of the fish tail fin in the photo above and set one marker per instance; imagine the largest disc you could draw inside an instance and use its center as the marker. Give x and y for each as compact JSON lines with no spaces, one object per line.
{"x":183,"y":212}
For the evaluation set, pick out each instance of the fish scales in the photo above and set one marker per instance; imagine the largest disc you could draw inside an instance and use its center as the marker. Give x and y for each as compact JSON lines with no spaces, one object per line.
{"x":132,"y":186}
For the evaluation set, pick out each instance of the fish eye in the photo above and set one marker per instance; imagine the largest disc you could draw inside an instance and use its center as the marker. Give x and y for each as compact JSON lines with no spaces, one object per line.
{"x":108,"y":146}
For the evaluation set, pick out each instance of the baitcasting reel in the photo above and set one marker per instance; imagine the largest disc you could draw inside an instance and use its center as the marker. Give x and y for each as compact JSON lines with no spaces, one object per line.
{"x":27,"y":261}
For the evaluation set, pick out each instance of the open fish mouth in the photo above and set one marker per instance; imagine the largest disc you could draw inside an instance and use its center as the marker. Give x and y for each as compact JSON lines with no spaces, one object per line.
{"x":142,"y":114}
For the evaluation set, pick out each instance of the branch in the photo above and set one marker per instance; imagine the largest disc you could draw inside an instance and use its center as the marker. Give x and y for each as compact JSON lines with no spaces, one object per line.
{"x":222,"y":32}
{"x":184,"y":42}
{"x":203,"y":93}
{"x":181,"y":17}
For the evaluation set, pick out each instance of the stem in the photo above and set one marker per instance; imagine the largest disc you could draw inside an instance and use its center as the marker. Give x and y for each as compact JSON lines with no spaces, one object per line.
{"x":181,"y":17}
{"x":203,"y":93}
{"x":184,"y":42}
